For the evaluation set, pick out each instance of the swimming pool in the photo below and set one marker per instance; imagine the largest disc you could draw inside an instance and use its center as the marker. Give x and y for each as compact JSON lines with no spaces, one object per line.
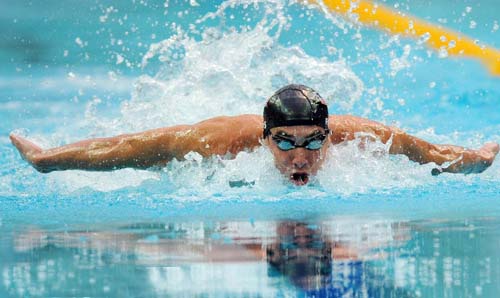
{"x":232,"y":228}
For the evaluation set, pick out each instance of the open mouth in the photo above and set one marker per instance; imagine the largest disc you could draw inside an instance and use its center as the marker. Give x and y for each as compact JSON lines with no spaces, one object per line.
{"x":299,"y":178}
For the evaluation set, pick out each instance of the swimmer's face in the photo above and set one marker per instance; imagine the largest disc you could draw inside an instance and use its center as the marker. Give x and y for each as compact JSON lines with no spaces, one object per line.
{"x":300,"y":163}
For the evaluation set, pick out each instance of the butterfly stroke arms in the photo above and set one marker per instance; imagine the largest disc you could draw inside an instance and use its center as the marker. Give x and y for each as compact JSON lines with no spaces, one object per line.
{"x":226,"y":136}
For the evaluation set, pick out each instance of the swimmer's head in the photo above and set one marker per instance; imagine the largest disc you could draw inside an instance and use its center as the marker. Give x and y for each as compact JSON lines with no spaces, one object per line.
{"x":296,"y":131}
{"x":295,"y":105}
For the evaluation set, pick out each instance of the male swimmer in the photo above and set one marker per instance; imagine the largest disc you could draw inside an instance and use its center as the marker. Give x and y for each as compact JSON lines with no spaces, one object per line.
{"x":297,"y":130}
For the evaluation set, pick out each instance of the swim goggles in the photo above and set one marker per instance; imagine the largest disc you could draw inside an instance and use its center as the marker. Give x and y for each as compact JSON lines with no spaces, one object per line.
{"x":314,"y":142}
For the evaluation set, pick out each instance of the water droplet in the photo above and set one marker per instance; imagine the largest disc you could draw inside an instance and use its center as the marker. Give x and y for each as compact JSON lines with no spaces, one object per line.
{"x":424,"y":38}
{"x":112,"y":76}
{"x":119,"y":59}
{"x":79,"y":41}
{"x":443,"y":53}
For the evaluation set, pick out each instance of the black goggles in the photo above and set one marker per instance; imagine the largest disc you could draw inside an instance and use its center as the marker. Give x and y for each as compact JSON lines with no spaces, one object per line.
{"x":314,"y":142}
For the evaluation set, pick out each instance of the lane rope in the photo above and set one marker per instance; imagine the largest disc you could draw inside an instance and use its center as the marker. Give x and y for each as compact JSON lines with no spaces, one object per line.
{"x":434,"y":36}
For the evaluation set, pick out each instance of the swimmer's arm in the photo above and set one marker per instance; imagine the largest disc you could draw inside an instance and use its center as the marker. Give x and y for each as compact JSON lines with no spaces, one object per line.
{"x":139,"y":150}
{"x":462,"y":160}
{"x":216,"y":136}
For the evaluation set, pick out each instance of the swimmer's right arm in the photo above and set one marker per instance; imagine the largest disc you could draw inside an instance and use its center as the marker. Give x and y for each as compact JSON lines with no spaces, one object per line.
{"x":140,"y":150}
{"x":146,"y":149}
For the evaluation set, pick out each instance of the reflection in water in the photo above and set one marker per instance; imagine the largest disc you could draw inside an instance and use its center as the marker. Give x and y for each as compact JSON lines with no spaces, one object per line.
{"x":331,"y":258}
{"x":303,"y":255}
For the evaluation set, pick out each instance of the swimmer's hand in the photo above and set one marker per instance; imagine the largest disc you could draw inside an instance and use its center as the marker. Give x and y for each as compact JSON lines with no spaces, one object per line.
{"x":29,"y":152}
{"x":472,"y":161}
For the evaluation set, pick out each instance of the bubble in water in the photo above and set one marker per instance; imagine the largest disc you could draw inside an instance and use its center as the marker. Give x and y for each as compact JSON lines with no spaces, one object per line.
{"x":472,"y":24}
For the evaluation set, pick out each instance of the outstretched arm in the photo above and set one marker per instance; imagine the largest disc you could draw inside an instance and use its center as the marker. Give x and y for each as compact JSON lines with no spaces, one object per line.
{"x":216,"y":136}
{"x":462,"y":160}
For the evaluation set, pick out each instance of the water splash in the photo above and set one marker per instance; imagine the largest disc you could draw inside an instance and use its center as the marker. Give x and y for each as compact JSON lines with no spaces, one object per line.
{"x":212,"y":67}
{"x":205,"y":71}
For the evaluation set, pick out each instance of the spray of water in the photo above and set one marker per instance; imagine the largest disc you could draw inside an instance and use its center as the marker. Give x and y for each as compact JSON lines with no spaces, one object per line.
{"x":211,"y":68}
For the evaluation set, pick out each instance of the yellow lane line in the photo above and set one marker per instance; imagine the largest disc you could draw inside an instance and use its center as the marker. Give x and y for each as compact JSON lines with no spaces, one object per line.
{"x":373,"y":14}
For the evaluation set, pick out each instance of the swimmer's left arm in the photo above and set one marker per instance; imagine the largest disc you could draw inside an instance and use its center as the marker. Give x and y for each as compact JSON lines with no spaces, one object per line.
{"x":463,"y":160}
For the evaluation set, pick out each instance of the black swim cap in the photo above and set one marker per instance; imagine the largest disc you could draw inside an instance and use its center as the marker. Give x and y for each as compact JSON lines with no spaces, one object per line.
{"x":295,"y":105}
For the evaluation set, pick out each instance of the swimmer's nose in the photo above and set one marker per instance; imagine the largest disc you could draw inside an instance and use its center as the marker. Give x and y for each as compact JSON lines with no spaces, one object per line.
{"x":299,"y":161}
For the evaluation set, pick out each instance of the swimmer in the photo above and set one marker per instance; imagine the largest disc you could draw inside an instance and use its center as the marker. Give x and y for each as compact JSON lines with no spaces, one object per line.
{"x":295,"y":126}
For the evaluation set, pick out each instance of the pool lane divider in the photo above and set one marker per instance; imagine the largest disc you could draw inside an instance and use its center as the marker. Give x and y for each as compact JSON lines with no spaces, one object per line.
{"x":434,"y":36}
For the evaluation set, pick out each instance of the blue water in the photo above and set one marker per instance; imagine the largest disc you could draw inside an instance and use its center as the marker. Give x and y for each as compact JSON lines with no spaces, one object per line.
{"x":76,"y":70}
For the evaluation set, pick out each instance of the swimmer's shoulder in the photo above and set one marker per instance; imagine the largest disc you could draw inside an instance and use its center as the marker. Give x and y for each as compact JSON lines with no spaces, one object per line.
{"x":246,"y":131}
{"x":344,"y":127}
{"x":250,"y":123}
{"x":232,"y":133}
{"x":347,"y":120}
{"x":248,"y":120}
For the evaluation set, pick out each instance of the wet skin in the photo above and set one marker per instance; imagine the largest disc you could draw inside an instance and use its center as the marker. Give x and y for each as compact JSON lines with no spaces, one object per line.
{"x":300,"y":163}
{"x":228,"y":135}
